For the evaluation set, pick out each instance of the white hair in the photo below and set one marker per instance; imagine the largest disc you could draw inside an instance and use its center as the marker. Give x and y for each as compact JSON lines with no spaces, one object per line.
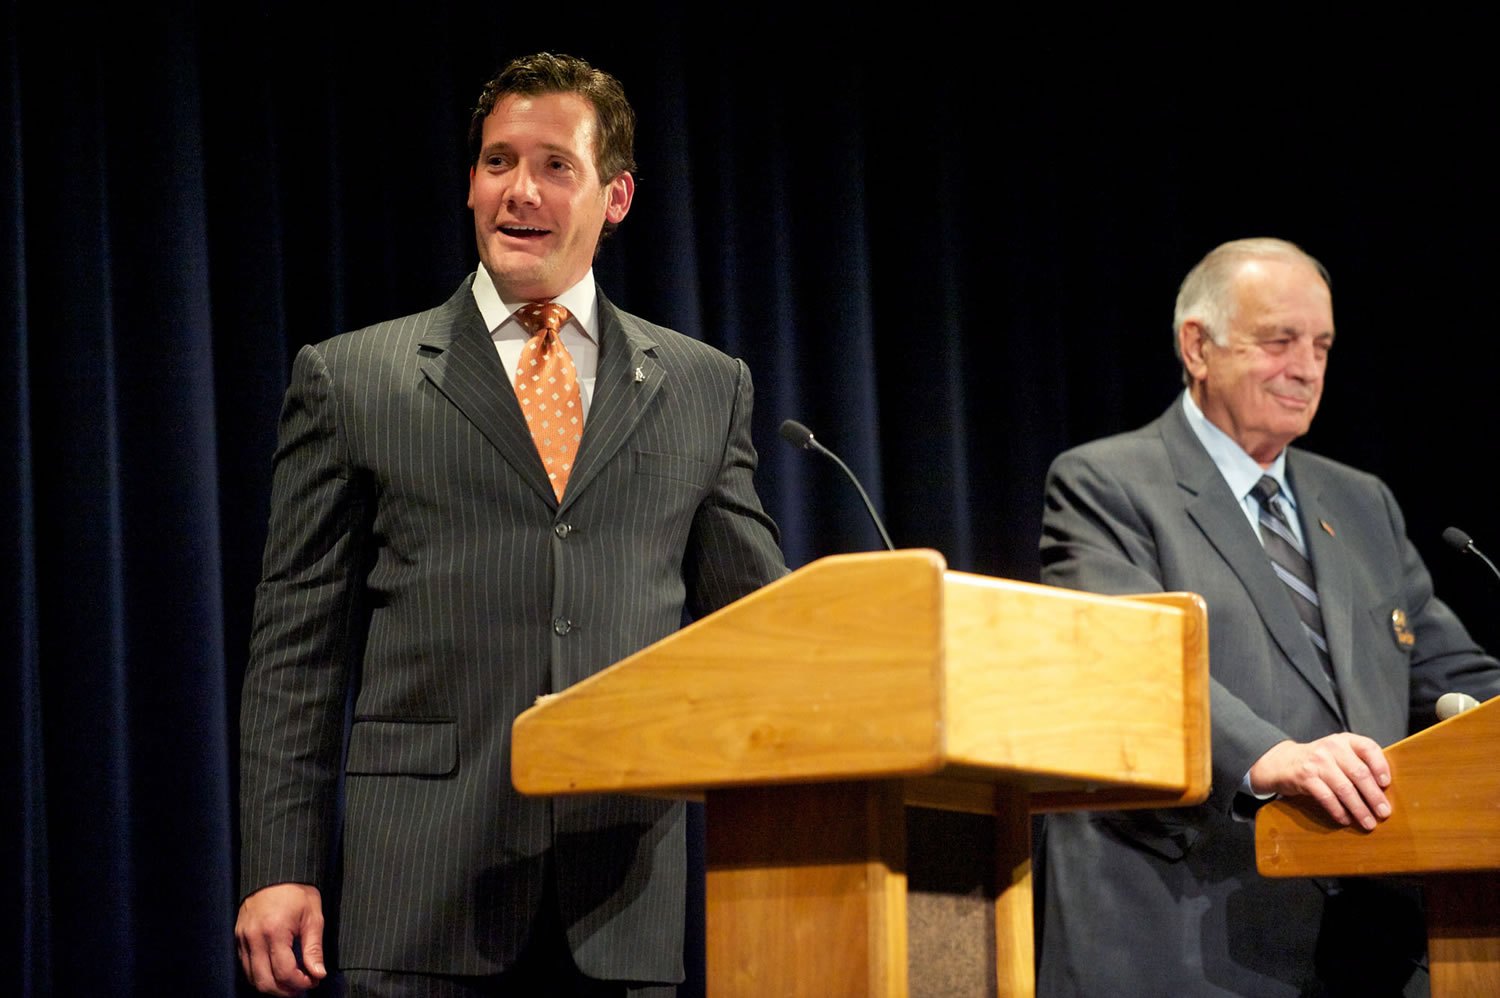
{"x":1205,"y":292}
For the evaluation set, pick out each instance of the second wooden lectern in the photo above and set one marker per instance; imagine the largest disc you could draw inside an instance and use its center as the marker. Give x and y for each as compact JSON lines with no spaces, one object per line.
{"x":1444,"y":827}
{"x":808,"y":714}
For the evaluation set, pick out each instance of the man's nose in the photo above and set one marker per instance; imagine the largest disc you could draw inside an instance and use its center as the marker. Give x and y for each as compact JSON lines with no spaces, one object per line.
{"x":1307,"y":362}
{"x":522,"y":189}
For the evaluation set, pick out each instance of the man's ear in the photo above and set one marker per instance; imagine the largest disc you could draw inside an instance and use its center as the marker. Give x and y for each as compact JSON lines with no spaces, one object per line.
{"x":1193,"y":339}
{"x":619,"y":193}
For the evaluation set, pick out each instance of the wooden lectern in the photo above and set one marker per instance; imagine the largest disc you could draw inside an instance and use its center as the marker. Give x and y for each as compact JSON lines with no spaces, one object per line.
{"x":808,"y":713}
{"x":1444,"y":826}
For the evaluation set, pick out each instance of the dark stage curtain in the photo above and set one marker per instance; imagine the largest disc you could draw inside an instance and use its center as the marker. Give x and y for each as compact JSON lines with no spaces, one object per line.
{"x":951,"y":268}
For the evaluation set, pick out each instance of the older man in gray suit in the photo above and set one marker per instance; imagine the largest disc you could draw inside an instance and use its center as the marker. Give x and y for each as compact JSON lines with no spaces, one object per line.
{"x":1326,"y":641}
{"x":473,"y":506}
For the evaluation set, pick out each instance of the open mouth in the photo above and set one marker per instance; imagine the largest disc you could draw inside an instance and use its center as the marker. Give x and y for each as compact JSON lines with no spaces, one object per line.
{"x":524,"y":231}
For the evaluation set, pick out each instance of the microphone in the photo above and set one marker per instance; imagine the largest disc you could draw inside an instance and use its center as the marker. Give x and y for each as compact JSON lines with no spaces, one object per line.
{"x":1457,"y":539}
{"x":1453,"y":704}
{"x":1464,"y":544}
{"x":800,"y":436}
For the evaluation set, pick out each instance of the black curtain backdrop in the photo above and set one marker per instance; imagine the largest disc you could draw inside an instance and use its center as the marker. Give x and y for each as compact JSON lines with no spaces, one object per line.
{"x":951,"y":263}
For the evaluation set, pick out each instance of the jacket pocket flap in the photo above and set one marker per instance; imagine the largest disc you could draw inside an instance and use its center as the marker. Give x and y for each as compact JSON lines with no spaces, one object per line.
{"x":677,"y":466}
{"x":415,"y":748}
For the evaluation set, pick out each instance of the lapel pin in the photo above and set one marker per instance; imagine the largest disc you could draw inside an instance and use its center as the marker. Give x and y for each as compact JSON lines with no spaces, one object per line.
{"x":1325,"y":526}
{"x":1401,"y":631}
{"x":640,"y":375}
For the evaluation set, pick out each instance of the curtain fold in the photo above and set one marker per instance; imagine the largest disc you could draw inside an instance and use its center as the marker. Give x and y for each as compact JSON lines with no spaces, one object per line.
{"x":28,"y":951}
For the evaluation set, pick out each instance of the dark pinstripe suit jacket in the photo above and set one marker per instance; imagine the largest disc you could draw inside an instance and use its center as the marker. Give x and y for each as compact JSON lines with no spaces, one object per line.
{"x":418,"y":559}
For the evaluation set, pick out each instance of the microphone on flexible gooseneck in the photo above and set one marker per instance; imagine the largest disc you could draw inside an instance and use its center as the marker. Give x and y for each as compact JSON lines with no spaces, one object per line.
{"x":1464,"y":544}
{"x":1453,"y":704}
{"x":798,"y":435}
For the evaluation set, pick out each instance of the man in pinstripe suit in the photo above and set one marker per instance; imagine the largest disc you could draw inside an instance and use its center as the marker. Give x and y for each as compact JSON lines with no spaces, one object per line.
{"x":421,"y":560}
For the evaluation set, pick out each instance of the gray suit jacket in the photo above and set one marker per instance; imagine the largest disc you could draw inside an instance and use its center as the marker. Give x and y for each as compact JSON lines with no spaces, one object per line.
{"x":419,"y":566}
{"x":1168,"y":902}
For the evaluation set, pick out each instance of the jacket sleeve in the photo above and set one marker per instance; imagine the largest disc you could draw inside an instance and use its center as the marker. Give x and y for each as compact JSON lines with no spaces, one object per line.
{"x":306,"y":639}
{"x":1444,"y":658}
{"x":734,"y":547}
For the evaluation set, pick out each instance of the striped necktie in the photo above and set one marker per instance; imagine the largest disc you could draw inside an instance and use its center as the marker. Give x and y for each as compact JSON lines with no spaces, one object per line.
{"x":1291,"y":565}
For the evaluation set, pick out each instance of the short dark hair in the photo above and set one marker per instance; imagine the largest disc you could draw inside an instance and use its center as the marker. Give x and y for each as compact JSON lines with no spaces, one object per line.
{"x":547,"y":73}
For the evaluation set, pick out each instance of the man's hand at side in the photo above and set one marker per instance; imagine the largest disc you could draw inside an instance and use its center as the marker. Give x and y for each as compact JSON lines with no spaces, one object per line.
{"x":1346,"y":773}
{"x":272,"y":921}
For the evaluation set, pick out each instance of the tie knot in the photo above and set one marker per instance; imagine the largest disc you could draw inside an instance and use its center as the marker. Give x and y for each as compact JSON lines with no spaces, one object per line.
{"x":1265,"y":490}
{"x":539,"y":315}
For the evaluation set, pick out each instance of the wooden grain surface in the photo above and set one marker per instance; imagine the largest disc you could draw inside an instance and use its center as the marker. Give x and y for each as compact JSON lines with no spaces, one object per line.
{"x":809,"y":711}
{"x":833,"y":672}
{"x":1463,"y":934}
{"x":884,"y":666}
{"x":1015,"y":949}
{"x":1445,"y":811}
{"x":1071,"y":690}
{"x":806,"y":891}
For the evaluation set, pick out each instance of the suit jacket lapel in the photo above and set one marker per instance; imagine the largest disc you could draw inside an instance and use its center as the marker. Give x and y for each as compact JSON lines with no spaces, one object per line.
{"x":459,"y":358}
{"x":628,"y":377}
{"x":1218,"y":514}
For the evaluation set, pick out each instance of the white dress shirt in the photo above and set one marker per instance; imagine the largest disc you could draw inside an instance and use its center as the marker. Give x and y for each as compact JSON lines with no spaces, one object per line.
{"x":580,"y":334}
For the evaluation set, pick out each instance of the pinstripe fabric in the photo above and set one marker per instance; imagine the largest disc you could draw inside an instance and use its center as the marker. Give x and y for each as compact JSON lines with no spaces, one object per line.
{"x":417,"y":556}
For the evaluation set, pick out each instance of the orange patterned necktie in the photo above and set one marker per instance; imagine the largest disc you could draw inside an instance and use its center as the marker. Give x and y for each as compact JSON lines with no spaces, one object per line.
{"x":547,"y":388}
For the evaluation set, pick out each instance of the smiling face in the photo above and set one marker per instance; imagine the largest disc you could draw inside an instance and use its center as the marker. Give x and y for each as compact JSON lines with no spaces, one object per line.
{"x":538,"y":201}
{"x":1262,"y":384}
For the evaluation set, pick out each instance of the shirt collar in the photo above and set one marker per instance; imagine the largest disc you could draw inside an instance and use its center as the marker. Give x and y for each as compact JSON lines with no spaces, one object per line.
{"x":1238,"y":468}
{"x":581,"y":300}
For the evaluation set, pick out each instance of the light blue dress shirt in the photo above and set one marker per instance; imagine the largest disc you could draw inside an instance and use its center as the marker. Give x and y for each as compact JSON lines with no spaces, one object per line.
{"x":1241,"y":471}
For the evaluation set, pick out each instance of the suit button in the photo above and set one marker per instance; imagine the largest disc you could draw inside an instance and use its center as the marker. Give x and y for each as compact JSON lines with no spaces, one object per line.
{"x":563,"y":529}
{"x":562,"y":625}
